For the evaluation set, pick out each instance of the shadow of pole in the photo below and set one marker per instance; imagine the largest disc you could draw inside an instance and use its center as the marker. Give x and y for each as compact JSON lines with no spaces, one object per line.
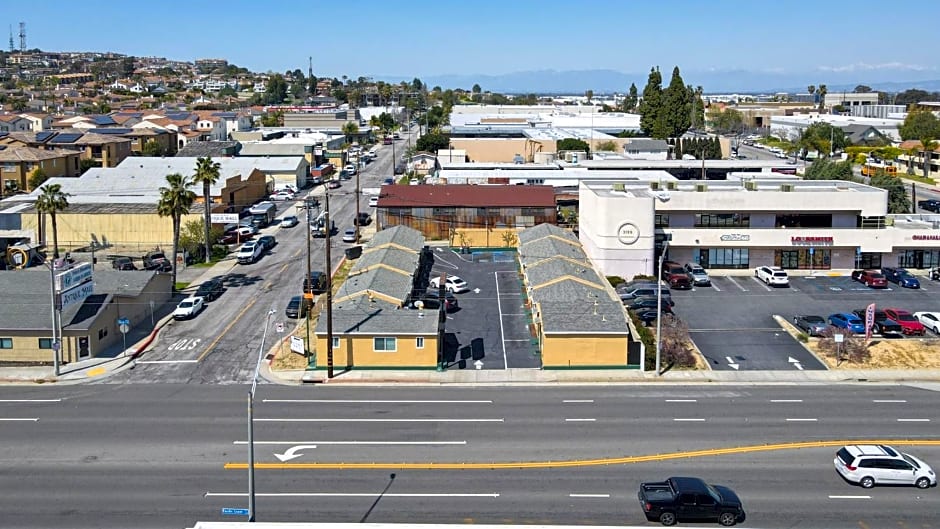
{"x":391,"y":479}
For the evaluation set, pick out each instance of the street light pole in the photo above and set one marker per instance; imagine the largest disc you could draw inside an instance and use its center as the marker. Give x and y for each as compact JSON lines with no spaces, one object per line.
{"x":329,"y":287}
{"x":52,"y":299}
{"x":659,"y":309}
{"x":251,"y":422}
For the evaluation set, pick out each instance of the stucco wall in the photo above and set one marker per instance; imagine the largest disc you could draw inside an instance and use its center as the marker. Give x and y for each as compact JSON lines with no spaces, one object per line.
{"x":584,"y":350}
{"x":358,"y":352}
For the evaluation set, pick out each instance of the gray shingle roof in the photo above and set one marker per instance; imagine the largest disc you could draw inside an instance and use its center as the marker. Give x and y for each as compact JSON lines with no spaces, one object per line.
{"x":548,"y":247}
{"x":565,"y":317}
{"x":394,"y":284}
{"x":200,"y":149}
{"x":570,"y":290}
{"x":405,"y":260}
{"x":547,"y":270}
{"x":362,"y":316}
{"x":544,"y":230}
{"x":26,"y":297}
{"x":399,"y":235}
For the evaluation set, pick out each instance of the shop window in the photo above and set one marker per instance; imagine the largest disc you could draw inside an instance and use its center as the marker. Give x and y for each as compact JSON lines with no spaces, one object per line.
{"x":6,"y":343}
{"x":869,"y":260}
{"x":45,"y":343}
{"x":919,"y":258}
{"x":728,"y":258}
{"x":803,"y":259}
{"x":384,"y":343}
{"x":722,"y":220}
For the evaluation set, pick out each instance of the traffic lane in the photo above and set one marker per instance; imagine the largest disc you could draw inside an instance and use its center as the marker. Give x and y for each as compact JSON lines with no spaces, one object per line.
{"x":753,"y":350}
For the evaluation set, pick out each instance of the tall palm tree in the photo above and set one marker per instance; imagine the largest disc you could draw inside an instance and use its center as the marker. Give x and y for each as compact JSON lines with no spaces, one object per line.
{"x":175,"y":201}
{"x":822,"y":91}
{"x":51,"y":201}
{"x":207,"y":174}
{"x":928,"y":144}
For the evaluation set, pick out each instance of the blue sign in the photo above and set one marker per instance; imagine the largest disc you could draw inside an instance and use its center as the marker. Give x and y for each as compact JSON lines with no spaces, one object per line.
{"x":858,"y":251}
{"x":234,"y":512}
{"x":812,"y":250}
{"x":124,"y":321}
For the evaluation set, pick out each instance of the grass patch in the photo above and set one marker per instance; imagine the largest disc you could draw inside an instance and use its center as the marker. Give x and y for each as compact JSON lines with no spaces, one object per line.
{"x":916,"y":178}
{"x":181,"y":285}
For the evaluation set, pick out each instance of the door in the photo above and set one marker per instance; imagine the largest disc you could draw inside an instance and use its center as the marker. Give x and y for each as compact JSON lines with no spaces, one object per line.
{"x":707,"y":507}
{"x":687,"y":509}
{"x":903,"y":472}
{"x":84,"y":350}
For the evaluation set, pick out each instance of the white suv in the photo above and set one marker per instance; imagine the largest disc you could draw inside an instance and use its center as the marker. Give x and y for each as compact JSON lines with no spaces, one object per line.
{"x":869,"y":465}
{"x":772,"y":275}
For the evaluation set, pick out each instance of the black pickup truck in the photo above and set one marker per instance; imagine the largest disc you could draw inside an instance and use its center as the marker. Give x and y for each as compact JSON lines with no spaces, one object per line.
{"x":689,"y":500}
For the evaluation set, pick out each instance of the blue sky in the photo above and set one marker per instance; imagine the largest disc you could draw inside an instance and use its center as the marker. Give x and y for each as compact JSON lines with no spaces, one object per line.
{"x":795,"y":39}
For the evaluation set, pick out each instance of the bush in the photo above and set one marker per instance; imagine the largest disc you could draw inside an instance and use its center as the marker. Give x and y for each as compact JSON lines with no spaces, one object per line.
{"x":644,"y":277}
{"x":615,"y":280}
{"x":648,"y":341}
{"x":802,"y":337}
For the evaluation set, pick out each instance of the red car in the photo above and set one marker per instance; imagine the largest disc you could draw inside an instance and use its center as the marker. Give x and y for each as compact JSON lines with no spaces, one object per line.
{"x":909,"y":324}
{"x":675,"y":274}
{"x":870,"y":278}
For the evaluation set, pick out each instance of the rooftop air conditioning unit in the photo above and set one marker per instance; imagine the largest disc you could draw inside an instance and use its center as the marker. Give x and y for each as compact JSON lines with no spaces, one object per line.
{"x":750,"y":185}
{"x":654,"y":186}
{"x":701,"y":187}
{"x":786,"y":187}
{"x":672,"y":185}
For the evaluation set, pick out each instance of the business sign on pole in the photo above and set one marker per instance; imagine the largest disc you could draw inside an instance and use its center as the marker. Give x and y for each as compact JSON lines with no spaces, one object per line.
{"x":76,"y":295}
{"x":869,"y":320}
{"x":224,"y":218}
{"x":297,"y":344}
{"x":73,"y":277}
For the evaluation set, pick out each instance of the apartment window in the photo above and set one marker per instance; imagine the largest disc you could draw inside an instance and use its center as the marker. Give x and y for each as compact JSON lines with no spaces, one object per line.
{"x":9,"y":167}
{"x":45,"y":343}
{"x":419,"y":342}
{"x":722,"y":220}
{"x":534,"y":181}
{"x":102,"y":333}
{"x":384,"y":343}
{"x":661,"y":220}
{"x":335,"y":343}
{"x":6,"y":343}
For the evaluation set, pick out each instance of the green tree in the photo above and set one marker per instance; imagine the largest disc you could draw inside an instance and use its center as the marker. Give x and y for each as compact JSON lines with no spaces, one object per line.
{"x":86,"y":164}
{"x":825,"y":169}
{"x":823,"y":90}
{"x":51,"y":201}
{"x":272,"y":119}
{"x":629,"y":102}
{"x":919,"y":124}
{"x":698,"y":108}
{"x":386,"y":121}
{"x":37,"y":178}
{"x":176,"y":199}
{"x":350,"y":128}
{"x":823,"y":138}
{"x":725,"y":121}
{"x":206,"y":175}
{"x":677,"y":149}
{"x":432,"y":142}
{"x":607,"y":146}
{"x":862,"y":89}
{"x":589,"y":94}
{"x":276,"y":90}
{"x":676,"y":109}
{"x":651,"y":121}
{"x":192,"y":236}
{"x":928,"y":145}
{"x":477,"y":93}
{"x":714,"y":149}
{"x":152,"y":148}
{"x":898,"y":200}
{"x":572,"y":144}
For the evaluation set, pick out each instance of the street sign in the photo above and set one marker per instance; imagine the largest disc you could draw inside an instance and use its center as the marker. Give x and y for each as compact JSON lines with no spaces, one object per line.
{"x":230,"y":511}
{"x":297,"y":344}
{"x":279,"y":326}
{"x":223,"y":218}
{"x":124,"y":325}
{"x":72,"y":277}
{"x":76,"y":295}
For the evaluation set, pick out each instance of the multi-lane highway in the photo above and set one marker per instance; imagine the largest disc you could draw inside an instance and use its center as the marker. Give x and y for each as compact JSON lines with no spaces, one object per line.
{"x":168,"y":455}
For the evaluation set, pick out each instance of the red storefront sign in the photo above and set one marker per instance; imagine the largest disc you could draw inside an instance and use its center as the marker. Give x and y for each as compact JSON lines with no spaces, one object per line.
{"x":811,"y":241}
{"x":926,"y":237}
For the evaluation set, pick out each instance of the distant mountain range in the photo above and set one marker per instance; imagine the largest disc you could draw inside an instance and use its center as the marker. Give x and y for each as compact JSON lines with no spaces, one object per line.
{"x":727,"y":81}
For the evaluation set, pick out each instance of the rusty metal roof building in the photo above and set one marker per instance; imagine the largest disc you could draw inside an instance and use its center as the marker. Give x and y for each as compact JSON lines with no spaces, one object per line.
{"x":466,"y":196}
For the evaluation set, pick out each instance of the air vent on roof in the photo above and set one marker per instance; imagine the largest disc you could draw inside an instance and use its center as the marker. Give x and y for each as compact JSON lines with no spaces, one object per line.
{"x":750,"y":185}
{"x":654,"y":186}
{"x":618,"y":187}
{"x":786,"y":187}
{"x":672,"y":185}
{"x":701,"y":187}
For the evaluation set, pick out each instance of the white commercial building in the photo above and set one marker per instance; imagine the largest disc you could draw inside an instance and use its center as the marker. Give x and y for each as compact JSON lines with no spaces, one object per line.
{"x":742,"y":224}
{"x":790,"y":126}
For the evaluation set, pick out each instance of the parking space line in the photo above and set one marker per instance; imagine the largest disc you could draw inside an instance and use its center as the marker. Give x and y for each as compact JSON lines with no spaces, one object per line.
{"x":688,"y":420}
{"x":580,"y":420}
{"x":572,"y":495}
{"x":735,"y":283}
{"x":681,"y":400}
{"x":761,"y":283}
{"x":578,"y":401}
{"x":502,"y":332}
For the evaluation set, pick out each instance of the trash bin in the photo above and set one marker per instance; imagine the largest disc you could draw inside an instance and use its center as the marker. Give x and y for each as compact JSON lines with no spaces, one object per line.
{"x":353,"y":252}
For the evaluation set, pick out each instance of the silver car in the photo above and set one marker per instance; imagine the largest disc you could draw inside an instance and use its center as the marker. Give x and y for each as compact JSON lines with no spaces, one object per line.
{"x":697,"y":275}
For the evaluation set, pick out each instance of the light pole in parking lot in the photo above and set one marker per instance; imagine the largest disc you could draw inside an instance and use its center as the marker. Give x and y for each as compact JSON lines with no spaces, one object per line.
{"x":659,"y":309}
{"x":251,"y":421}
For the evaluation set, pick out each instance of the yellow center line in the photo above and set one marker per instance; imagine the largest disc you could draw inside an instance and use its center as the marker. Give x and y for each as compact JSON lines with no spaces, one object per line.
{"x":226,"y":329}
{"x":580,"y":462}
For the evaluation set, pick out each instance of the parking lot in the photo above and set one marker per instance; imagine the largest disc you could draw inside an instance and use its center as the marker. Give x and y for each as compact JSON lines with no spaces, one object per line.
{"x":491,"y":325}
{"x":732,"y":321}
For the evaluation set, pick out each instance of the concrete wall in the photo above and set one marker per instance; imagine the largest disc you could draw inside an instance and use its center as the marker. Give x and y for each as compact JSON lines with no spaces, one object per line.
{"x":584,"y":350}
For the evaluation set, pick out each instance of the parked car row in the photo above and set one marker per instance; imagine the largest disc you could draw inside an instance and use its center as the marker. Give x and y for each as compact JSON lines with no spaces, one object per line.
{"x":881,"y":278}
{"x":886,"y":322}
{"x":642,"y":297}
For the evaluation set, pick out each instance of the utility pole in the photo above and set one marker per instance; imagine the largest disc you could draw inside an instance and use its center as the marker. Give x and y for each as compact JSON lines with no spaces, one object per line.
{"x":329,"y":287}
{"x":308,"y":203}
{"x":356,"y":222}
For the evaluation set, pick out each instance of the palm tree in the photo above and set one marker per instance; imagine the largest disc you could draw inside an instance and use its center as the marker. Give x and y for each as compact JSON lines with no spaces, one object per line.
{"x":928,"y":144}
{"x":207,"y":174}
{"x":52,"y":200}
{"x":350,"y":129}
{"x":822,"y":90}
{"x":175,"y":201}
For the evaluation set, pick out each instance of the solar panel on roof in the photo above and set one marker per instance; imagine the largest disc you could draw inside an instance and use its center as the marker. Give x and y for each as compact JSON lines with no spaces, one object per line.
{"x":44,"y":135}
{"x":112,"y":130}
{"x":104,"y":120}
{"x":66,"y":137}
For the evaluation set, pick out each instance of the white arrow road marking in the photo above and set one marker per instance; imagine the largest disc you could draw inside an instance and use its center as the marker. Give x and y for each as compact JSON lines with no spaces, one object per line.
{"x":292,"y":452}
{"x":352,"y":495}
{"x":795,"y":362}
{"x":731,"y":363}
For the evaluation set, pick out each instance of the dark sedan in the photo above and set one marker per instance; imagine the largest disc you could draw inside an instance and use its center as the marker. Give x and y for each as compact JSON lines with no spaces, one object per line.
{"x":810,"y":324}
{"x":648,"y":303}
{"x":211,"y":289}
{"x":296,"y":308}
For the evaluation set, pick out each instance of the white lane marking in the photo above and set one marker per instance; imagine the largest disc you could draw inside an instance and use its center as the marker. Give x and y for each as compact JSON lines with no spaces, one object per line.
{"x":888,"y":400}
{"x":589,"y":495}
{"x":515,"y":340}
{"x":355,"y":443}
{"x":913,"y":420}
{"x":580,"y":420}
{"x":681,"y":400}
{"x":579,"y":401}
{"x":761,"y":283}
{"x":786,"y":400}
{"x":23,"y":419}
{"x":801,"y":420}
{"x":688,"y":420}
{"x":378,"y":420}
{"x":735,"y":283}
{"x":832,"y":497}
{"x":30,"y":400}
{"x":514,"y":314}
{"x":340,"y":401}
{"x":713,"y":285}
{"x":502,"y":333}
{"x":167,"y":361}
{"x":353,"y":495}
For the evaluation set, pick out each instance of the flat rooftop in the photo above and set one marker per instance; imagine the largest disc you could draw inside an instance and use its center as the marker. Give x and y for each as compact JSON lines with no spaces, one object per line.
{"x":619,"y":188}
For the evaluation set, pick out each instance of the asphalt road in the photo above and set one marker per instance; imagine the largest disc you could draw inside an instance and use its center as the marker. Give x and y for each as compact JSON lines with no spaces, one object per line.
{"x":220,"y":345}
{"x":169,"y":455}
